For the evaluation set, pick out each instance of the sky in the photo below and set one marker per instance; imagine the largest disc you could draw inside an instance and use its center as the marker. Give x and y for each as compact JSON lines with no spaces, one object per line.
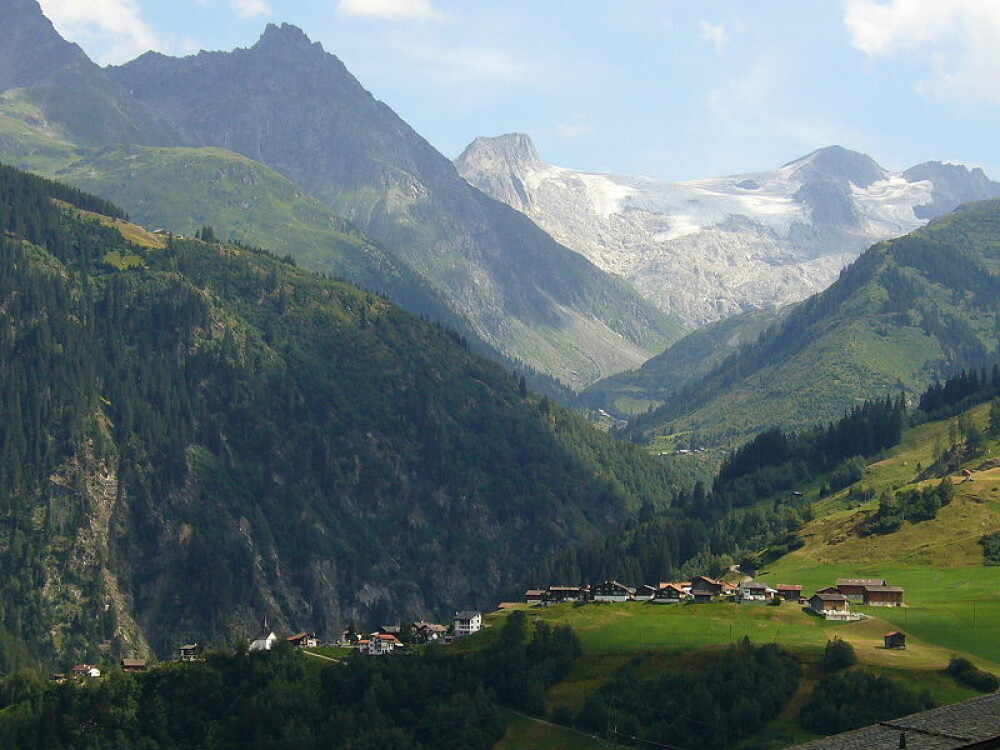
{"x":670,"y":89}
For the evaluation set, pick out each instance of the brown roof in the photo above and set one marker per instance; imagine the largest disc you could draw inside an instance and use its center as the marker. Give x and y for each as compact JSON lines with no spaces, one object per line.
{"x":887,"y":589}
{"x":387,"y":637}
{"x":299,"y":636}
{"x":134,"y":663}
{"x":829,"y":597}
{"x":861,"y":582}
{"x":894,"y":632}
{"x":788,"y":587}
{"x":707,"y":580}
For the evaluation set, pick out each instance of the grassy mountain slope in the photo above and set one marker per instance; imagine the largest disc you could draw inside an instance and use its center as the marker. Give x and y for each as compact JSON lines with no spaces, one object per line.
{"x":222,"y":435}
{"x":636,"y":391}
{"x":289,"y":104}
{"x":907,"y":311}
{"x":953,"y":600}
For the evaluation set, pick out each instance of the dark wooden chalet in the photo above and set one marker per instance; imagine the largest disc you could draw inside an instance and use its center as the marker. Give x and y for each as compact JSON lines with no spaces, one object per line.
{"x":612,"y":591}
{"x":670,"y":593}
{"x":828,"y":602}
{"x":854,"y":588}
{"x":895,"y":639}
{"x":565,"y":593}
{"x":883,"y":596}
{"x":788,"y":592}
{"x":705,"y":585}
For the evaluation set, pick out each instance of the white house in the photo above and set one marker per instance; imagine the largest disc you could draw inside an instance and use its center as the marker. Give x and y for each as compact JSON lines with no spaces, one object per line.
{"x":383,"y":643}
{"x":467,"y":623}
{"x":756,"y":591}
{"x":264,"y":641}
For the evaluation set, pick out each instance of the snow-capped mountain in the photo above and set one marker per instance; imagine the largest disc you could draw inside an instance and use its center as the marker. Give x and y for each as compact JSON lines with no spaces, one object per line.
{"x":706,"y":249}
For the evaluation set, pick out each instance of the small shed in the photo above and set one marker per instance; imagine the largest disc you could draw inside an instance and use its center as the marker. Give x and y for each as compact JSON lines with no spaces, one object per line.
{"x":133,"y":665}
{"x":895,"y":640}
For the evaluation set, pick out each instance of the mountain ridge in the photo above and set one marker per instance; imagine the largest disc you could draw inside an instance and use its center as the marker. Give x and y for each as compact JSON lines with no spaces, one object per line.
{"x":909,"y":310}
{"x":520,"y":290}
{"x":706,"y":249}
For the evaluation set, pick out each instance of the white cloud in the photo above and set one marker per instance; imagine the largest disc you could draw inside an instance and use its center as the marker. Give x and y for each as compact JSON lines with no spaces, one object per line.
{"x":716,"y":35}
{"x":577,"y":125}
{"x":251,"y":8}
{"x":115,"y":26}
{"x":392,"y":10}
{"x":961,"y":40}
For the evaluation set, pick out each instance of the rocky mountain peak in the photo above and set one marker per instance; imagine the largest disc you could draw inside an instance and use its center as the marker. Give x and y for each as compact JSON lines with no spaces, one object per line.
{"x":497,"y":166}
{"x":513,"y":151}
{"x":837,"y":164}
{"x":285,"y":37}
{"x":954,"y":184}
{"x":32,"y":48}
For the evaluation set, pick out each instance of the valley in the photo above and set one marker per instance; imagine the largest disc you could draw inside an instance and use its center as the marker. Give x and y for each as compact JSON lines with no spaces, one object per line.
{"x":312,"y":436}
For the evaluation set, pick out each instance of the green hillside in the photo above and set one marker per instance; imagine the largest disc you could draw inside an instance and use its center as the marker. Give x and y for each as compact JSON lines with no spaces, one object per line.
{"x":907,"y":311}
{"x":631,"y":393}
{"x":952,"y":598}
{"x":221,"y":435}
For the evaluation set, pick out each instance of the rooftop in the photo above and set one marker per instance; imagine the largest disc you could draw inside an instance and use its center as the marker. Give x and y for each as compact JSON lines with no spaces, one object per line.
{"x":960,"y":725}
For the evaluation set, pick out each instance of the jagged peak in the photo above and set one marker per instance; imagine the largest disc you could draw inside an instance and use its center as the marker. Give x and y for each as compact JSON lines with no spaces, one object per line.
{"x":838,"y":164}
{"x":516,"y":151}
{"x":32,"y":47}
{"x":929,"y":169}
{"x":285,"y":36}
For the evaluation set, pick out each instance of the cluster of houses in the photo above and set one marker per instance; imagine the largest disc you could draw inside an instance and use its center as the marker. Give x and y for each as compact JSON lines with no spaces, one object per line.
{"x":385,"y":640}
{"x":700,"y":589}
{"x":388,"y":638}
{"x":833,"y":603}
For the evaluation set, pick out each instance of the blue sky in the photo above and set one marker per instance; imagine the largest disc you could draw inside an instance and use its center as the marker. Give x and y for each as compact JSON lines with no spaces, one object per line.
{"x":672,"y":89}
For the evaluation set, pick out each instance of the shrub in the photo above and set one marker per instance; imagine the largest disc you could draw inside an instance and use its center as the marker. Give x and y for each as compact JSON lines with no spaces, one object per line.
{"x":991,"y":548}
{"x":855,"y":699}
{"x":838,"y":654}
{"x":966,"y":673}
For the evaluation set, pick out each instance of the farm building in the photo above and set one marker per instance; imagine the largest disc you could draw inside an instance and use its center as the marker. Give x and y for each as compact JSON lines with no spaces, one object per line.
{"x":895,"y":639}
{"x":883,"y":596}
{"x":854,"y":588}
{"x":789,"y":592}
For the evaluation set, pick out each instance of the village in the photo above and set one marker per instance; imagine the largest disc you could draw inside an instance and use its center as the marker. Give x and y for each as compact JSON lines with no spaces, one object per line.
{"x":831,"y":603}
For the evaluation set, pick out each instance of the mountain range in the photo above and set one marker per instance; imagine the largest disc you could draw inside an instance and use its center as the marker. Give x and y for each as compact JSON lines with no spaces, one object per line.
{"x":288,"y":105}
{"x":710,"y":248}
{"x":906,"y":312}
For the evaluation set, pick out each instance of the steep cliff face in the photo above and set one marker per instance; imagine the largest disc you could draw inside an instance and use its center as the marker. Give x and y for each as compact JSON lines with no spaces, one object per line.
{"x":289,"y":104}
{"x":707,"y":249}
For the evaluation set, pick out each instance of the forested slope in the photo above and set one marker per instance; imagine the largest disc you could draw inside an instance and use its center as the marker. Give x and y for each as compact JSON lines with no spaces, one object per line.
{"x":196,"y":434}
